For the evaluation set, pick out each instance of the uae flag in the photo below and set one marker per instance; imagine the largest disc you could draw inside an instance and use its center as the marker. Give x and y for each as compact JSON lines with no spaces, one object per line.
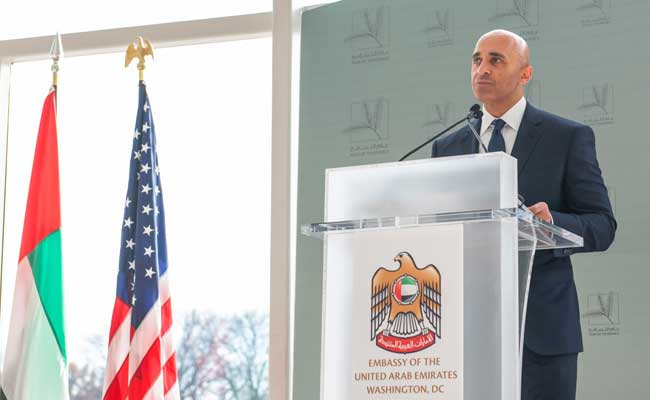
{"x":35,"y":364}
{"x":405,"y":289}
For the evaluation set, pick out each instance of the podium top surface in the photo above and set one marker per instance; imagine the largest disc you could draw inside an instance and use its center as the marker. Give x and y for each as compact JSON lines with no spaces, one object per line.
{"x":533,"y":233}
{"x":485,"y":181}
{"x":460,"y":189}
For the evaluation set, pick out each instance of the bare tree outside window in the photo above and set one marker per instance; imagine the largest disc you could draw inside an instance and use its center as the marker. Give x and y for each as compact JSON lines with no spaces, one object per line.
{"x":224,"y":358}
{"x":218,"y":358}
{"x":86,"y":380}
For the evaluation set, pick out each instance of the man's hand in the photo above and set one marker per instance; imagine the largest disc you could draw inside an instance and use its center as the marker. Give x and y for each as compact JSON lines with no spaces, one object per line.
{"x":541,"y":211}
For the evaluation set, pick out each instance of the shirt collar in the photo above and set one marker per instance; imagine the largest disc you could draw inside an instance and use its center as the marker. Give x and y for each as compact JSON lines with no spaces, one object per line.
{"x":512,"y":117}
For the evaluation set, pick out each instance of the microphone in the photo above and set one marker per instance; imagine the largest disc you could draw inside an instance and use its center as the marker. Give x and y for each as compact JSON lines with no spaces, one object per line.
{"x":474,"y":113}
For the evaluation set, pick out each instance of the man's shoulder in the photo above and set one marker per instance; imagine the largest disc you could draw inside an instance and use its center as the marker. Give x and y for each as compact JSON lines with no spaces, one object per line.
{"x":537,"y":115}
{"x":451,"y":144}
{"x":456,"y":136}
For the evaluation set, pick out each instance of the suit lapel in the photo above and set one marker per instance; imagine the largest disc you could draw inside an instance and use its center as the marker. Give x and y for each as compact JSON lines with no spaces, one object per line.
{"x":469,"y":143}
{"x":527,"y":136}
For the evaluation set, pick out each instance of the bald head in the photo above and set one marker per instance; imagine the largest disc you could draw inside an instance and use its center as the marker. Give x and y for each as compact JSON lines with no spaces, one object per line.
{"x":513,"y":41}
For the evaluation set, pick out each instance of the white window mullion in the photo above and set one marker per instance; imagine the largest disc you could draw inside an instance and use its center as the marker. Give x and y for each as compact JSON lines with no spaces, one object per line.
{"x":160,"y":35}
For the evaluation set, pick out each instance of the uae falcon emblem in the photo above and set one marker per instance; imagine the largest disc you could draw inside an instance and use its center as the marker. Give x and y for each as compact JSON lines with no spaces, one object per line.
{"x":409,"y":298}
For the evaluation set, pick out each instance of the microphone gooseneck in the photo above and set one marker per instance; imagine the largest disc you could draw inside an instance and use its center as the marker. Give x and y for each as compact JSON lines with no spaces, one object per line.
{"x":474,"y":113}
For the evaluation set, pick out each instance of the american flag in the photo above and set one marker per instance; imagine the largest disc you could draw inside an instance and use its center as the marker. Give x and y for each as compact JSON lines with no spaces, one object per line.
{"x":141,"y":358}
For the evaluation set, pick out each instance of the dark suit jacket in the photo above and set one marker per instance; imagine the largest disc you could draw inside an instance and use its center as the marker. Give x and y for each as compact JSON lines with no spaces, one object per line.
{"x":556,"y":164}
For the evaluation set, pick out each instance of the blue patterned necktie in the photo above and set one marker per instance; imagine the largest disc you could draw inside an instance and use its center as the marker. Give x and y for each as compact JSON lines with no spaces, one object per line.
{"x":497,"y":143}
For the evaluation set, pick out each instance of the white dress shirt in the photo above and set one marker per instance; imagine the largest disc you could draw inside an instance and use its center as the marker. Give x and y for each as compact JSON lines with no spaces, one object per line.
{"x":512,"y":118}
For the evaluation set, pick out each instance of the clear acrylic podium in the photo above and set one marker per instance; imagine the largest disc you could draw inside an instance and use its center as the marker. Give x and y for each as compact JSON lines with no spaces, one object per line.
{"x":457,"y":326}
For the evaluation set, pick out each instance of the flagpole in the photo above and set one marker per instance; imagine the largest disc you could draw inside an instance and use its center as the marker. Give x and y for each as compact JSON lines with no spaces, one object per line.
{"x":56,"y":52}
{"x":140,"y":48}
{"x":136,"y":365}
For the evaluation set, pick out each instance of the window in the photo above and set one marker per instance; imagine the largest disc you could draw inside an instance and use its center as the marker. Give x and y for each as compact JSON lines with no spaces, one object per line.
{"x":212,"y":108}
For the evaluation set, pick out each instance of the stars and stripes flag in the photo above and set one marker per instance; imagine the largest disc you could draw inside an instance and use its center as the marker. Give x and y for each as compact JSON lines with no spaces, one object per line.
{"x":35,"y":364}
{"x":141,"y":358}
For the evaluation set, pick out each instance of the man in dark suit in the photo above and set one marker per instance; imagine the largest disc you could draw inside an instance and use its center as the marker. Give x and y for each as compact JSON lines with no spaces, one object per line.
{"x":559,"y":175}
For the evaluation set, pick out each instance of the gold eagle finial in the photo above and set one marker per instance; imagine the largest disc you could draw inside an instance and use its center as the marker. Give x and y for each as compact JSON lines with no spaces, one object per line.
{"x":140,"y":48}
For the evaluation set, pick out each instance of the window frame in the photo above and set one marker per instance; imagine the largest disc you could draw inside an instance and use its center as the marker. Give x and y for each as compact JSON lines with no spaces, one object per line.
{"x":279,"y":26}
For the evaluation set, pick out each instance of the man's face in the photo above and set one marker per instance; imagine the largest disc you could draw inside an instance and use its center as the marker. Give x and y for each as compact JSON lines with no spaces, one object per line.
{"x":499,"y":72}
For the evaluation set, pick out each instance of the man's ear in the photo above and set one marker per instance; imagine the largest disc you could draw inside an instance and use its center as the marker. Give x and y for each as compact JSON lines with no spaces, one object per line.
{"x":526,"y":75}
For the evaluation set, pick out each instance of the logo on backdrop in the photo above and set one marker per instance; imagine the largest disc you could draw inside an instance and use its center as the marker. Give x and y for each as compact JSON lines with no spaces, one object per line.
{"x":437,"y":118}
{"x":603,"y":314}
{"x":518,"y":15}
{"x":440,"y":28}
{"x":595,"y":12}
{"x":597,"y":104}
{"x":405,"y":313}
{"x":369,"y":35}
{"x":369,"y":127}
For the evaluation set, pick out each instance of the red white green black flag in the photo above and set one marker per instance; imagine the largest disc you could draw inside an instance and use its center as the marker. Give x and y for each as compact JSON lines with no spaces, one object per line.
{"x":35,"y":364}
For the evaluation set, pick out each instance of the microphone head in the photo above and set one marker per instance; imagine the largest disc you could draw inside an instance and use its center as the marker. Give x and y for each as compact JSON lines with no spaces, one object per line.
{"x":475,"y":111}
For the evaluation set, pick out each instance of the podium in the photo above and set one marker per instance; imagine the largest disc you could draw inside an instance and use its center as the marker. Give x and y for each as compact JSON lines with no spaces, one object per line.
{"x":425,"y":279}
